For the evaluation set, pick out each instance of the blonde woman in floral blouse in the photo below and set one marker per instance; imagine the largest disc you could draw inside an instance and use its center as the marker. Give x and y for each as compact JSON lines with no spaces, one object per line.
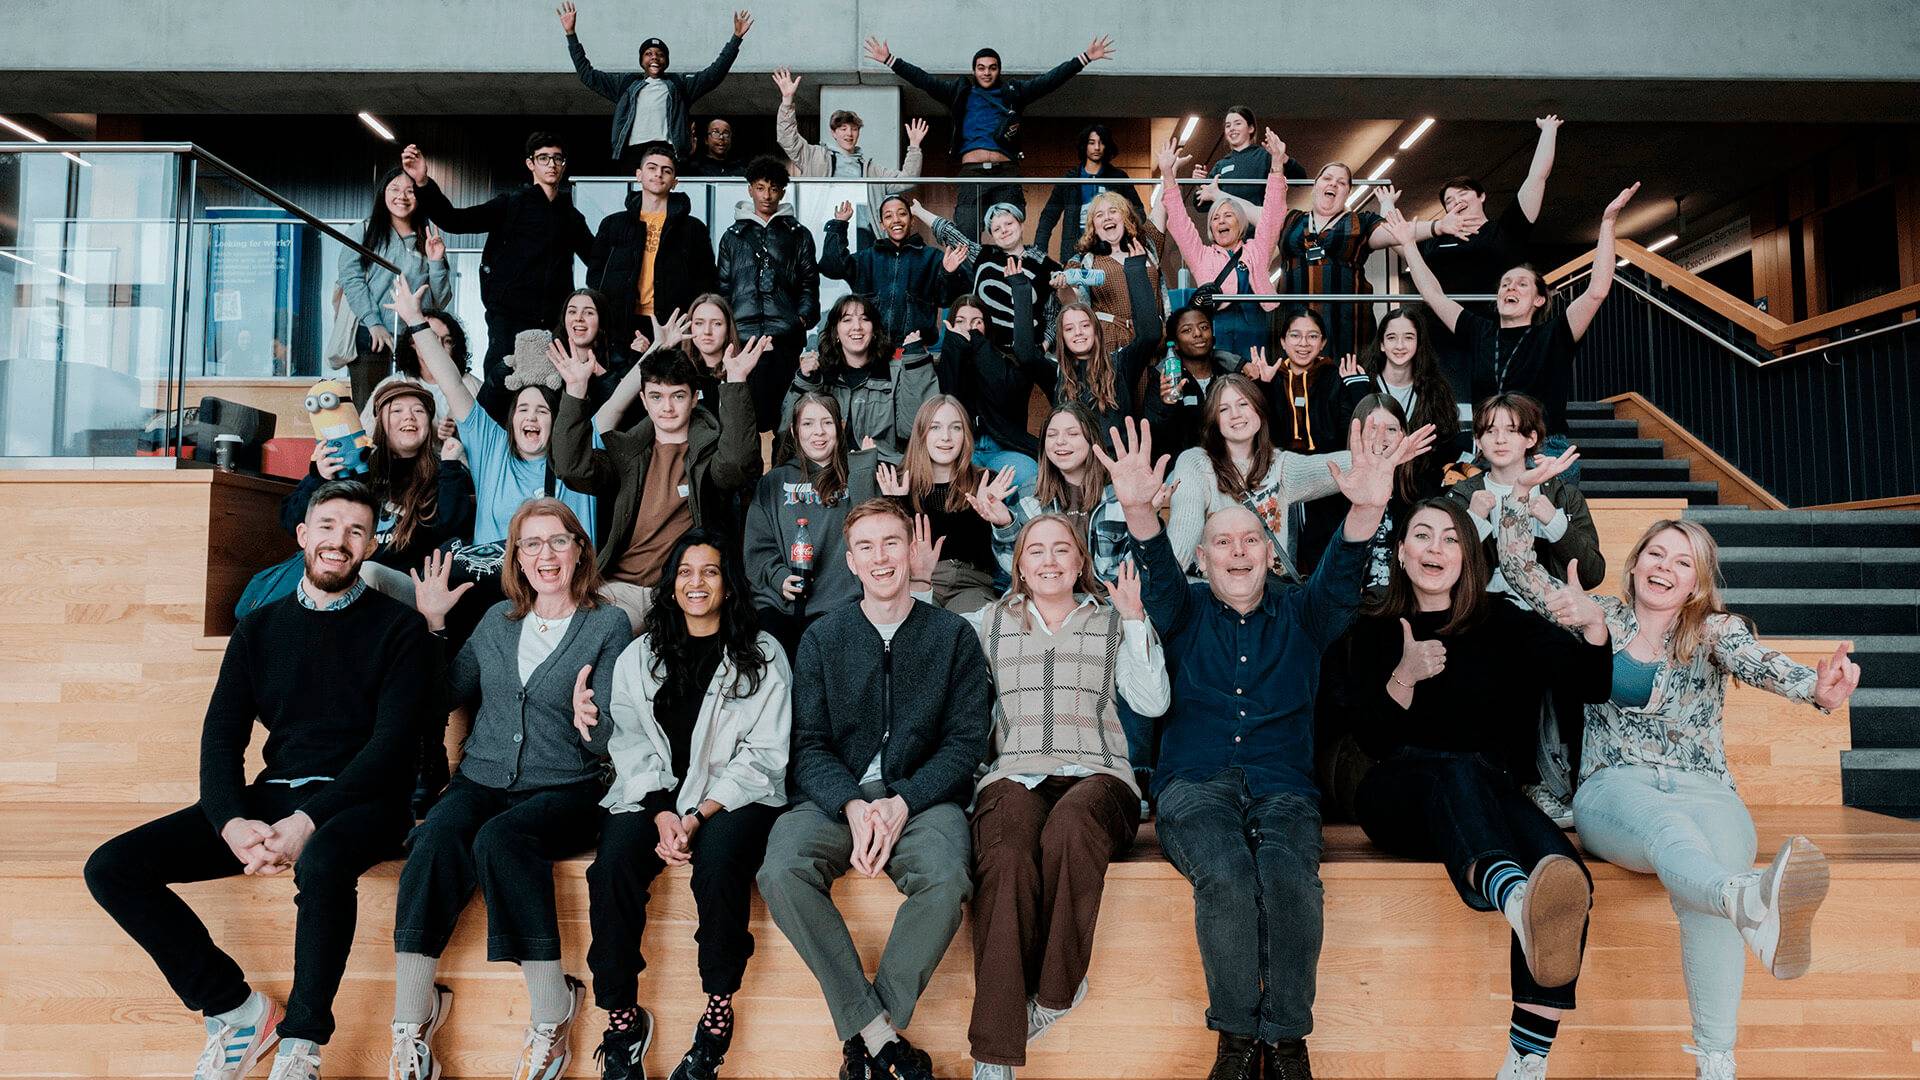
{"x":1655,"y":795}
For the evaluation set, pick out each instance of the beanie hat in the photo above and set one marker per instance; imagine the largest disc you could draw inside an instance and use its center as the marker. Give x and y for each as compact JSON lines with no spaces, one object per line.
{"x":1004,"y":208}
{"x":529,"y":364}
{"x":655,"y":43}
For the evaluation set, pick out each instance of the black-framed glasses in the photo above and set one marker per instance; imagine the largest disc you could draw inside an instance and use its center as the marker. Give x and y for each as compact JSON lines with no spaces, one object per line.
{"x":549,"y":159}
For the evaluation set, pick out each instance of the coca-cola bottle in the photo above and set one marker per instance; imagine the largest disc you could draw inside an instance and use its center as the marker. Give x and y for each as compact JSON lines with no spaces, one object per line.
{"x":800,"y":557}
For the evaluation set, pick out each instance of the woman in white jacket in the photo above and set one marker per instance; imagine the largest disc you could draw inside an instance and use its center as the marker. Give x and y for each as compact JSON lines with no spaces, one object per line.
{"x":702,"y":718}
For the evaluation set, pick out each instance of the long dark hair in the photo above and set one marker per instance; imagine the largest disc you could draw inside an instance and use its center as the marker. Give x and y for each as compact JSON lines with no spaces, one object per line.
{"x":1095,"y":374}
{"x":1468,"y":601}
{"x":1433,"y":394}
{"x":1226,"y":475}
{"x":829,"y":480}
{"x":600,"y":308}
{"x":665,"y":625}
{"x":833,"y":359}
{"x":380,"y":222}
{"x":411,"y":484}
{"x":1407,"y":479}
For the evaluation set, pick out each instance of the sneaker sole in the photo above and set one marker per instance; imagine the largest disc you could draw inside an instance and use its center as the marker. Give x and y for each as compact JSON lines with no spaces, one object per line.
{"x":442,"y":1005}
{"x":558,"y":1066}
{"x":1803,"y":886}
{"x":1558,"y":897}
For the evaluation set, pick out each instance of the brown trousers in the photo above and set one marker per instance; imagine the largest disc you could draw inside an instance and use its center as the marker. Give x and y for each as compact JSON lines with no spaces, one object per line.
{"x":1039,"y":866}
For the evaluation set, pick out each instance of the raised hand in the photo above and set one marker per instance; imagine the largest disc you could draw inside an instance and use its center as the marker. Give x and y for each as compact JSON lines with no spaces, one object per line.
{"x":1210,"y":193}
{"x":954,"y":327}
{"x":843,"y":212}
{"x":1257,"y":367}
{"x":912,"y":338}
{"x":878,"y":52}
{"x":1168,"y":159}
{"x":990,"y":499}
{"x":672,"y":333}
{"x":740,"y":362}
{"x":414,"y":163}
{"x":1619,"y":203}
{"x":742,"y":22}
{"x":1350,"y":366}
{"x":1014,"y":269}
{"x":1481,"y":504}
{"x":1389,"y":197}
{"x":1835,"y":678}
{"x":450,"y":448}
{"x":1199,"y":172}
{"x":1368,"y":481}
{"x":1549,"y":122}
{"x":406,"y":302}
{"x":1571,"y":607}
{"x":1419,"y":660}
{"x":924,"y":555}
{"x":1276,"y":150}
{"x":575,"y":368}
{"x":436,"y":244}
{"x":1164,"y":497}
{"x":586,"y":714}
{"x":1135,"y":476}
{"x":787,"y":81}
{"x":1398,"y":227}
{"x":954,"y":259}
{"x":1101,"y":48}
{"x":917,"y":129}
{"x":890,"y":480}
{"x":810,"y":363}
{"x":569,"y":18}
{"x":431,"y":596}
{"x":1124,"y":592}
{"x":639,"y":345}
{"x":1544,"y":469}
{"x":1056,"y":280}
{"x":1541,"y":508}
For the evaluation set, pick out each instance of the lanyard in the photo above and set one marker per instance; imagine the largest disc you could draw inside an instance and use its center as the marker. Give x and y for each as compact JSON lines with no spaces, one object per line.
{"x":1500,"y":368}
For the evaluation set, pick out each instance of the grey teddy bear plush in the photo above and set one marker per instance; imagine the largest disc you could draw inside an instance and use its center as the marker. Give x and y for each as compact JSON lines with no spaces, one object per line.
{"x":529,"y":364}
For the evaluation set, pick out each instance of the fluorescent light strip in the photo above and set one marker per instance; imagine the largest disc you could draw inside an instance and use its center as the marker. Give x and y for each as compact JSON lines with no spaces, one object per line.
{"x":25,"y":131}
{"x":76,"y":159}
{"x":16,"y":258}
{"x":1382,"y":170}
{"x":64,"y":274}
{"x":1187,"y":132}
{"x":1407,"y":143}
{"x":374,"y":123}
{"x":1663,"y":241}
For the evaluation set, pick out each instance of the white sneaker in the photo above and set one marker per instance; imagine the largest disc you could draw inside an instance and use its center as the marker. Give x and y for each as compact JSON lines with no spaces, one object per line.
{"x":1713,"y":1064}
{"x":545,"y":1050}
{"x":232,"y":1050}
{"x":1039,"y":1019}
{"x":298,"y":1059}
{"x":1520,"y":1066}
{"x":983,"y":1071}
{"x":1787,"y":895}
{"x":1551,"y":804}
{"x":412,"y":1057}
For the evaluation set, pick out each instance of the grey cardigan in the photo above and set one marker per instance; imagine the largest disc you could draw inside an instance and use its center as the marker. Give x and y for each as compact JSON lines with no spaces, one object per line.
{"x":366,"y":288}
{"x":523,"y":737}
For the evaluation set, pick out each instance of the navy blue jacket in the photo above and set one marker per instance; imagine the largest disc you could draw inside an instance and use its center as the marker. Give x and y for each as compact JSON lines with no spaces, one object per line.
{"x":1016,"y":93}
{"x":906,"y":281}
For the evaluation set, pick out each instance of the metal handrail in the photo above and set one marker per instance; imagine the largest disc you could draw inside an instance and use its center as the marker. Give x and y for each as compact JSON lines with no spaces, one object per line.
{"x":196,"y":151}
{"x":1001,"y":179}
{"x":1345,"y":298}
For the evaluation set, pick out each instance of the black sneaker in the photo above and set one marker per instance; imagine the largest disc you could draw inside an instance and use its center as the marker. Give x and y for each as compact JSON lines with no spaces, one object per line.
{"x":622,"y":1054}
{"x":854,"y":1063}
{"x":1237,"y":1059}
{"x":1287,"y":1060}
{"x":901,"y":1060}
{"x":703,"y":1058}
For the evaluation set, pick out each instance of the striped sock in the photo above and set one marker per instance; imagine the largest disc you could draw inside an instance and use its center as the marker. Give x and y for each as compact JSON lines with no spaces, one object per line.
{"x":1498,"y":879}
{"x":1531,"y":1033}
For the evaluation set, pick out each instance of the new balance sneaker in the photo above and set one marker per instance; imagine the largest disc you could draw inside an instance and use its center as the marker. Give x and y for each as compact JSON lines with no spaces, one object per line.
{"x":1775,"y":910}
{"x":232,"y":1050}
{"x":412,"y":1057}
{"x":984,"y":1071}
{"x":298,"y":1059}
{"x":1553,"y":919}
{"x":1551,"y":804}
{"x":545,"y":1050}
{"x":622,"y":1054}
{"x":1040,"y":1018}
{"x":703,"y":1059}
{"x":901,"y":1060}
{"x":1523,"y":1066}
{"x":1713,"y":1064}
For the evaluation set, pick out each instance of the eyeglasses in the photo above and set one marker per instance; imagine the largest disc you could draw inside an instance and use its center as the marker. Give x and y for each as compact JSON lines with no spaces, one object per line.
{"x":549,"y":159}
{"x":560,"y":543}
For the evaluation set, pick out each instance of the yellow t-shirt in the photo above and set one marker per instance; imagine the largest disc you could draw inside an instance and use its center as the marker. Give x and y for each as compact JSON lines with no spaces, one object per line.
{"x":655,"y":223}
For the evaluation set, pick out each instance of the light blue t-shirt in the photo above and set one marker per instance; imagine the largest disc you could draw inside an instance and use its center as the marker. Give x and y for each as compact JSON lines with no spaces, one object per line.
{"x":502,"y":479}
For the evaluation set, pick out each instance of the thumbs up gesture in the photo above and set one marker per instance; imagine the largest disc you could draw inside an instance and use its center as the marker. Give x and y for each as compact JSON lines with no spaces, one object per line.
{"x":1418,"y":659}
{"x":1571,"y":607}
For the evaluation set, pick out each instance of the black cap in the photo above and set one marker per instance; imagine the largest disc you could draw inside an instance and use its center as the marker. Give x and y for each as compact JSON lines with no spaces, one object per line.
{"x":655,"y":43}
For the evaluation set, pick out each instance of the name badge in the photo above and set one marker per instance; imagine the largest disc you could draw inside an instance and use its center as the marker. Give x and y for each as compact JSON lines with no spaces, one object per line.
{"x":1316,"y":253}
{"x":1190,"y":400}
{"x":1299,"y":402}
{"x":683,"y":491}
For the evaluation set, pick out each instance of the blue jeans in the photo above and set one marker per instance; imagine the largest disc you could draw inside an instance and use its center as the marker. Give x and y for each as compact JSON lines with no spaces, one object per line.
{"x":988,"y":455}
{"x":1254,"y":862}
{"x":1695,"y":833}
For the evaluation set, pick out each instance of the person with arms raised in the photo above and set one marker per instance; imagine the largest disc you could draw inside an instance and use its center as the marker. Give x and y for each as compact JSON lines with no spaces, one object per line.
{"x":842,"y":156}
{"x":892,"y":703}
{"x":651,"y":105}
{"x":905,"y":278}
{"x":1236,"y":757}
{"x":1233,"y":256}
{"x":339,"y":676}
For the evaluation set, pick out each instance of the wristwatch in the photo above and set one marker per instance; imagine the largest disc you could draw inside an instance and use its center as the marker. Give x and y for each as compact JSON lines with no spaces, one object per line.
{"x":419,"y":327}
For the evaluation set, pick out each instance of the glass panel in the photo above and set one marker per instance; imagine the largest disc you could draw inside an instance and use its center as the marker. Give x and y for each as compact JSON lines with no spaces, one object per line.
{"x":87,"y":290}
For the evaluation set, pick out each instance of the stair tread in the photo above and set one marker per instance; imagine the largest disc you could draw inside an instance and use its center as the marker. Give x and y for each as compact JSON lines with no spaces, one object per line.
{"x":1826,"y":597}
{"x":1746,"y":515}
{"x":1819,"y":554}
{"x":1885,"y":757}
{"x":1886,"y":697}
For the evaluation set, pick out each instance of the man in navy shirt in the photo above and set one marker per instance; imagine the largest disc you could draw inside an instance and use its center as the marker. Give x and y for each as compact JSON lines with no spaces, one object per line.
{"x":1239,"y":810}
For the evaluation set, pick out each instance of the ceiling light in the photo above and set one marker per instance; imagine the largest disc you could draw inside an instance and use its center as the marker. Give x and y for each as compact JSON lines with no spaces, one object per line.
{"x":1187,"y":132}
{"x":64,"y":274}
{"x":76,"y":159}
{"x":1407,"y":143}
{"x":1663,"y":241}
{"x":374,"y":123}
{"x":23,"y":131}
{"x":16,"y":258}
{"x":1382,"y":170}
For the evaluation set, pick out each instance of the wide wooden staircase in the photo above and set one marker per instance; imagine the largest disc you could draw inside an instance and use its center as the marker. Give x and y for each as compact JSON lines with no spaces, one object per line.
{"x":112,"y":600}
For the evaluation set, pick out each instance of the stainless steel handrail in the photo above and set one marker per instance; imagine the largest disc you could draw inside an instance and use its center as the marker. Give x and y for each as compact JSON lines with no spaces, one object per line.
{"x":196,"y":151}
{"x":1001,"y":179}
{"x":1345,"y":298}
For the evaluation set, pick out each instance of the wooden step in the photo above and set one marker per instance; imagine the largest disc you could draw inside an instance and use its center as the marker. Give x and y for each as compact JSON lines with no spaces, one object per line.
{"x":1411,"y":983}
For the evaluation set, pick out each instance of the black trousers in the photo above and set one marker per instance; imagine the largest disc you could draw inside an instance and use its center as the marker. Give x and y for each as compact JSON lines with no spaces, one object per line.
{"x":129,"y":875}
{"x":505,"y":843}
{"x":972,"y":201}
{"x":772,"y":377}
{"x":727,"y":852}
{"x":1462,"y":810}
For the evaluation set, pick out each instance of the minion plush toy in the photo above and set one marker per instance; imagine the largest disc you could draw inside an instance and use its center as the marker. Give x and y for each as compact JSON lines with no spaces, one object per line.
{"x":337,"y":424}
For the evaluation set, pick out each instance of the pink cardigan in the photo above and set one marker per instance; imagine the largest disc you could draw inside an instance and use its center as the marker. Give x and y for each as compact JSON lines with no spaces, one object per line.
{"x":1205,"y":259}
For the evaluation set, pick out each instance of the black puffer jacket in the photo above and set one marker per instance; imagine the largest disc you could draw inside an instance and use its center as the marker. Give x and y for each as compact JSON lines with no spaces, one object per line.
{"x":907,"y":281}
{"x":682,"y":267}
{"x":767,"y":272}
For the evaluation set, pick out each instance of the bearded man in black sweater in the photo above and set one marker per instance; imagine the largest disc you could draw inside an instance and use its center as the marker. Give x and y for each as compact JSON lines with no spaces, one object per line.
{"x":339,"y":677}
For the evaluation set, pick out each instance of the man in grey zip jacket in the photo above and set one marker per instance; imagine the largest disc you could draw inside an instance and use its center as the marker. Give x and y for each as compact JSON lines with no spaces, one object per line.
{"x":892,"y":702}
{"x":660,"y":104}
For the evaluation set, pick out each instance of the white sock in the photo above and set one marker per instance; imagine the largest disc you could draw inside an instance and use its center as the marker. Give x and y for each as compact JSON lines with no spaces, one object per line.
{"x":250,"y":1011}
{"x":878,"y":1033}
{"x":289,"y":1047}
{"x":413,"y":987}
{"x":550,"y":998}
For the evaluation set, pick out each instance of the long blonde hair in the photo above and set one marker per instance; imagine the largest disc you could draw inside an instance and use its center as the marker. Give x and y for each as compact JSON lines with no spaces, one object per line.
{"x":1689,"y":632}
{"x":919,"y":463}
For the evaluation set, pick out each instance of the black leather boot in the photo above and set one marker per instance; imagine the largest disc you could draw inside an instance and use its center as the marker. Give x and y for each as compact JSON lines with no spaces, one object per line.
{"x":1237,"y":1059}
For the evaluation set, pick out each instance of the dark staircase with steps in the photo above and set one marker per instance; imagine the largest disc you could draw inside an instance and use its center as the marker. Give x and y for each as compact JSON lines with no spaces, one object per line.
{"x":1801,"y":574}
